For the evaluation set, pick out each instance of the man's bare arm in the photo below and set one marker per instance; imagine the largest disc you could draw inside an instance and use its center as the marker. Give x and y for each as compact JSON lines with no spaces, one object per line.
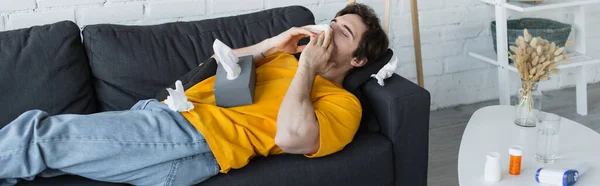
{"x":285,"y":42}
{"x":297,"y":124}
{"x":257,"y":51}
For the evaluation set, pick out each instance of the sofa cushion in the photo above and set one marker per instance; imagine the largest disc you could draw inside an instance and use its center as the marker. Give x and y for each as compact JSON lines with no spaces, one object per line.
{"x":366,"y":161}
{"x":44,"y":67}
{"x":135,"y":62}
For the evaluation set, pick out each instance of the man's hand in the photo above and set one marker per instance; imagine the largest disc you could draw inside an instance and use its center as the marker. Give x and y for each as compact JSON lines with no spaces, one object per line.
{"x":288,"y":41}
{"x":285,"y":42}
{"x":315,"y":57}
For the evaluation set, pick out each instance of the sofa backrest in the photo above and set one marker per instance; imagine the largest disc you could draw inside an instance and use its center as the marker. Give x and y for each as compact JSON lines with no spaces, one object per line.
{"x":130,"y":63}
{"x":44,"y":67}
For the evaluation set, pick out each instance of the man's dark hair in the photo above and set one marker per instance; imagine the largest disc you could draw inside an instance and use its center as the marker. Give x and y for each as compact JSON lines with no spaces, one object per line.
{"x":374,"y":42}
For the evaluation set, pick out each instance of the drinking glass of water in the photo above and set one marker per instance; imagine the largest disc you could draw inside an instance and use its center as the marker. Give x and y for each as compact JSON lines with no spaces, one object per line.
{"x":547,"y":127}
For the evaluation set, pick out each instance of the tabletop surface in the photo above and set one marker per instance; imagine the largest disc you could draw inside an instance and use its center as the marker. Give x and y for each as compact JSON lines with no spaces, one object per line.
{"x":491,"y":129}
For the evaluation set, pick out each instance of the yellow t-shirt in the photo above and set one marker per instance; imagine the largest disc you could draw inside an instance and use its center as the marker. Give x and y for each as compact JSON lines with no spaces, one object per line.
{"x":237,"y":134}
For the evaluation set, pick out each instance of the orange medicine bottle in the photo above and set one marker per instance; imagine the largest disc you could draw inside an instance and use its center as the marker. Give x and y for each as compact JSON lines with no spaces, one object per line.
{"x":516,"y":153}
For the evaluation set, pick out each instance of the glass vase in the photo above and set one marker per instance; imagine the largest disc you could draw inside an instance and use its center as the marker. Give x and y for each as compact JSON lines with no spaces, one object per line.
{"x":529,"y":104}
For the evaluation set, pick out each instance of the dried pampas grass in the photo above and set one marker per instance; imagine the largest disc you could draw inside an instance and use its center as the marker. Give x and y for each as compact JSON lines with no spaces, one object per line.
{"x":535,"y":58}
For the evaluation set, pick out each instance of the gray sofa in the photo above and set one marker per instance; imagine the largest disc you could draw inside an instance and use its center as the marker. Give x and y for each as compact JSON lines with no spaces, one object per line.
{"x":54,"y":69}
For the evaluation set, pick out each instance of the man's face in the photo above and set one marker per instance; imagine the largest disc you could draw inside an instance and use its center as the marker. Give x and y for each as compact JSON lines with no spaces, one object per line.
{"x":347,"y":33}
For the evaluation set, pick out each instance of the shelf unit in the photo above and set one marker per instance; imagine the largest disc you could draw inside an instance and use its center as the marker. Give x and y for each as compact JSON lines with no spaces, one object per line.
{"x":547,"y":5}
{"x":576,"y":55}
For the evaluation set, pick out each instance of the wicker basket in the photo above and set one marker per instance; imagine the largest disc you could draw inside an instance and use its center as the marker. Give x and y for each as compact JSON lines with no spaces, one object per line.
{"x":550,"y":30}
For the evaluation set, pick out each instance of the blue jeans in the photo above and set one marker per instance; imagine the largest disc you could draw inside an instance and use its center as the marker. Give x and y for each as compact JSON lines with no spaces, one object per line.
{"x":146,"y":145}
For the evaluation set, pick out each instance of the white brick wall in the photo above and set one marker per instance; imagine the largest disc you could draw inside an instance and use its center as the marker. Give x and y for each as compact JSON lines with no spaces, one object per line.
{"x":481,"y":13}
{"x":326,"y":11}
{"x":431,"y":67}
{"x":445,"y":16}
{"x":281,"y":3}
{"x":112,"y":13}
{"x":12,"y":5}
{"x":436,"y":50}
{"x":449,"y":30}
{"x":462,"y":31}
{"x":23,"y":20}
{"x":161,"y":10}
{"x":221,"y":6}
{"x":1,"y":23}
{"x":461,"y":63}
{"x":56,"y":3}
{"x":423,"y":5}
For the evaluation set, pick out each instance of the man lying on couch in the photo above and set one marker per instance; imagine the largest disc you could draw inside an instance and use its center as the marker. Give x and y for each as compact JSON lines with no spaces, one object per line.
{"x":300,"y":108}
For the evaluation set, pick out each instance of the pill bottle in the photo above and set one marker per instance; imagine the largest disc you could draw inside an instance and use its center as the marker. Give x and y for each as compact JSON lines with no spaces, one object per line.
{"x":516,"y":153}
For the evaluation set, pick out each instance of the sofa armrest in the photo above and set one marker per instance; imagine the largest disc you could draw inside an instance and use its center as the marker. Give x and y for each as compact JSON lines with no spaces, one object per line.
{"x":402,"y":111}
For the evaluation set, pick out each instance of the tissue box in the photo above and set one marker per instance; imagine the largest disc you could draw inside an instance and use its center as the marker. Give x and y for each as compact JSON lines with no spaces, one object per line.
{"x":237,"y":92}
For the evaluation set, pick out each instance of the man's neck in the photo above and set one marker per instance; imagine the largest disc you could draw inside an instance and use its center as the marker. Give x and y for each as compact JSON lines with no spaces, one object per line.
{"x":336,"y":75}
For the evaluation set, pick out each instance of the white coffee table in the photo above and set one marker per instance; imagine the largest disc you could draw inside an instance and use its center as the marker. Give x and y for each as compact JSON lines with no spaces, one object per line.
{"x":491,"y":129}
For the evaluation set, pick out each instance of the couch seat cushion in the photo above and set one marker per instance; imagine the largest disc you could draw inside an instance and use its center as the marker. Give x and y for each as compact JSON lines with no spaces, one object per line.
{"x":366,"y":161}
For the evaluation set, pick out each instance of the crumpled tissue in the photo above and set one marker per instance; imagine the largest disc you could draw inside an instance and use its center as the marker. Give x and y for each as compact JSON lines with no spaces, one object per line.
{"x":321,"y":27}
{"x":227,"y":59}
{"x":386,"y":71}
{"x":177,"y":101}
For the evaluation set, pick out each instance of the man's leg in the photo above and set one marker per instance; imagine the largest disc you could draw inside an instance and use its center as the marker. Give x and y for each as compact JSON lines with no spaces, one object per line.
{"x":139,"y":146}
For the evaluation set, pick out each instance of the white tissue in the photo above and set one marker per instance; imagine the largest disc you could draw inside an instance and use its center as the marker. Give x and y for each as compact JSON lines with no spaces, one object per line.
{"x":227,"y":59}
{"x":177,"y":101}
{"x":386,"y":71}
{"x":321,"y":27}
